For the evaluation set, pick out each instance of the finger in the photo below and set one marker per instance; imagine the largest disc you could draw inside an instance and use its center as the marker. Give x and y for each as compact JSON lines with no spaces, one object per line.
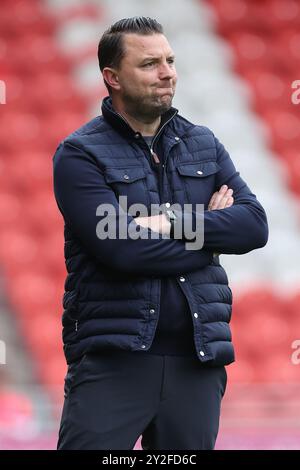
{"x":211,"y":202}
{"x":229,"y":202}
{"x":222,"y":201}
{"x":218,"y":197}
{"x":225,"y":198}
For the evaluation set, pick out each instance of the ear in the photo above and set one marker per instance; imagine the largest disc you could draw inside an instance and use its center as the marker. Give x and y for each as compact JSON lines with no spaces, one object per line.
{"x":111,"y":77}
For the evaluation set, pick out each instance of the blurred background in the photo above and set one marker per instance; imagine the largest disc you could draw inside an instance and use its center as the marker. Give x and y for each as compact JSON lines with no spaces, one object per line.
{"x":238,"y":62}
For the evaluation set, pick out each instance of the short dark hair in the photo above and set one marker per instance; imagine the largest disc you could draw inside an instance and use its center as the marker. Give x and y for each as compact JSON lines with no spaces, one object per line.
{"x":111,"y":45}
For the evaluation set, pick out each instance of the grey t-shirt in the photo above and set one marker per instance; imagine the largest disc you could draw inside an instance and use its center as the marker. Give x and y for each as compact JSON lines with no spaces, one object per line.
{"x":148,"y":139}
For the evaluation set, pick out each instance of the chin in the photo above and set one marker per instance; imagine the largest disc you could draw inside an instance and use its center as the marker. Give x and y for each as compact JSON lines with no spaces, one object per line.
{"x":165,"y":104}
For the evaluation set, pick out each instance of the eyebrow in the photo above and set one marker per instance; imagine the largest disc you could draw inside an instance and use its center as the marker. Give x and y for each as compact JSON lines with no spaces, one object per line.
{"x":156,"y":59}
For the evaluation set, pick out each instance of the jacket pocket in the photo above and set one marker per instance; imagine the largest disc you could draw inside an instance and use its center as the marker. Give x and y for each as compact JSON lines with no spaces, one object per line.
{"x":129,"y":181}
{"x":198,"y":181}
{"x":125,"y":175}
{"x":198,"y":169}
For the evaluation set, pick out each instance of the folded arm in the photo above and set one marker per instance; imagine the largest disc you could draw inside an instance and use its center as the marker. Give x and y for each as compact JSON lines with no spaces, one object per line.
{"x":234,"y":228}
{"x":80,"y":188}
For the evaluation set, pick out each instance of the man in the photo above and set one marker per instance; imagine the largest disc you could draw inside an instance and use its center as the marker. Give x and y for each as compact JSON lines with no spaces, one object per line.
{"x":145,"y":323}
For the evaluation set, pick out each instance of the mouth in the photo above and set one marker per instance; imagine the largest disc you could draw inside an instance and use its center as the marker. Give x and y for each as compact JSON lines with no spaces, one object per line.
{"x":165,"y":91}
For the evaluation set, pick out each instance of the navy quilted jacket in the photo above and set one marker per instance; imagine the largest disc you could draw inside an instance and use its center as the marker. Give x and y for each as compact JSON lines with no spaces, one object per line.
{"x":112,"y":291}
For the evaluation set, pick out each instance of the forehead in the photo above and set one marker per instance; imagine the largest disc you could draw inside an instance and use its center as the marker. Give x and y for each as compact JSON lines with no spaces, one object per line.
{"x":138,"y":46}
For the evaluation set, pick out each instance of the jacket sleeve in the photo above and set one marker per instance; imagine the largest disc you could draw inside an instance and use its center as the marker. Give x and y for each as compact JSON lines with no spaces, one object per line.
{"x":80,"y":188}
{"x":238,"y":229}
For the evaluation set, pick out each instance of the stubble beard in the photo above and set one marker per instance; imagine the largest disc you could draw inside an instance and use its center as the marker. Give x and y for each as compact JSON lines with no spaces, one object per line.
{"x":147,"y":109}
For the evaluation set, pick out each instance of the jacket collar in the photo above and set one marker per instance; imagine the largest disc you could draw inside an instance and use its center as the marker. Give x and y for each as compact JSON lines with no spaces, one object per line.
{"x":122,"y":126}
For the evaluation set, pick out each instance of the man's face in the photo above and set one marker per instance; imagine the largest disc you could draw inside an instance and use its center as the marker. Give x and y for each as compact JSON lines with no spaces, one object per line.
{"x":147,"y":75}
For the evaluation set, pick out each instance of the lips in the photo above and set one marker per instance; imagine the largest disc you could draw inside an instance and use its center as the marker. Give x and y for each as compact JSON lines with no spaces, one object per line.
{"x":166,"y":91}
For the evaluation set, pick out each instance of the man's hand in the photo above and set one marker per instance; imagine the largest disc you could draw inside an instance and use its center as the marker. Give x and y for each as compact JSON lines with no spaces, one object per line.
{"x":160,"y":223}
{"x":157,"y":223}
{"x":221,"y":199}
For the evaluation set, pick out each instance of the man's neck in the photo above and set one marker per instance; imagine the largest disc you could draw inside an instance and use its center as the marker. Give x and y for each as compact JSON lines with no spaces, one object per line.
{"x":145,"y":128}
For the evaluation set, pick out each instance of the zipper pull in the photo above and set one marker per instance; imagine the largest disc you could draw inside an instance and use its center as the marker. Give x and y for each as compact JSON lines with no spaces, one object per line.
{"x":155,"y":157}
{"x":76,"y":325}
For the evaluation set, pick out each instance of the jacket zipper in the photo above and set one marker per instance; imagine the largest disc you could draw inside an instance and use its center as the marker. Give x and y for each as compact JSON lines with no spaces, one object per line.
{"x":153,"y":154}
{"x":160,"y":130}
{"x":156,"y":157}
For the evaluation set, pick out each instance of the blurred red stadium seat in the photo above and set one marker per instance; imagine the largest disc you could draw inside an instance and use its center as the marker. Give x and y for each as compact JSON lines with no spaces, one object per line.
{"x":253,"y":50}
{"x":287,"y":47}
{"x":270,"y":89}
{"x":241,"y":371}
{"x":32,"y":292}
{"x":42,"y":55}
{"x":20,"y":16}
{"x":284,"y":127}
{"x":10,"y":210}
{"x":44,"y":106}
{"x":43,"y":334}
{"x":42,"y":212}
{"x":87,"y":10}
{"x":282,"y":14}
{"x":39,"y":171}
{"x":265,"y":36}
{"x":61,"y":94}
{"x":54,"y":372}
{"x":232,"y":15}
{"x":16,"y":410}
{"x":59,"y":124}
{"x":277,"y":367}
{"x":51,"y":250}
{"x":291,"y":159}
{"x":17,"y":249}
{"x":22,"y":129}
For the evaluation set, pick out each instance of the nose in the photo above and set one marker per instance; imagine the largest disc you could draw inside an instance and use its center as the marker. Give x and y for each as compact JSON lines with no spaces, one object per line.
{"x":167,"y":71}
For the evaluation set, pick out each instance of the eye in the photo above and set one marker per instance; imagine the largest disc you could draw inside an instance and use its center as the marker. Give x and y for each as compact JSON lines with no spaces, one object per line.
{"x":148,"y":64}
{"x":171,"y":61}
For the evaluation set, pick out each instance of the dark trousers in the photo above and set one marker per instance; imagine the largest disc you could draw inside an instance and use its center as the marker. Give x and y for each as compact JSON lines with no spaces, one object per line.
{"x":112,"y":398}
